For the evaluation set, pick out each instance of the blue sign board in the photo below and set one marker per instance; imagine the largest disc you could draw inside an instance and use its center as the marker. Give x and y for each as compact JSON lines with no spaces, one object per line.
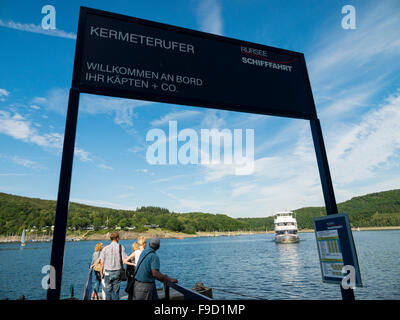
{"x":336,"y":249}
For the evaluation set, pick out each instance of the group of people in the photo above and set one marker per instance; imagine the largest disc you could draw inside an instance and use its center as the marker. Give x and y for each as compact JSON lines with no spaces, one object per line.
{"x":142,"y":269}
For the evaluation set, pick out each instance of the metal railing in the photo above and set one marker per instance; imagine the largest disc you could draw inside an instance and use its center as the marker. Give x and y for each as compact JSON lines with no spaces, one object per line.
{"x":187,"y":293}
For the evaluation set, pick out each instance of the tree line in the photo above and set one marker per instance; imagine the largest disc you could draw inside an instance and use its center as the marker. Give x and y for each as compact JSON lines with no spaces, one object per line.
{"x":17,"y":213}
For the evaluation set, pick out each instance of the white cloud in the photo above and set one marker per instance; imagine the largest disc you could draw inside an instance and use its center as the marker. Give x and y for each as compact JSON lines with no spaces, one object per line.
{"x":39,"y":100}
{"x":243,"y":189}
{"x":20,"y":161}
{"x":82,"y":155}
{"x":195,"y":205}
{"x":213,"y":119}
{"x":374,"y":36}
{"x":353,"y":100}
{"x":137,"y":149}
{"x":145,"y":171}
{"x":122,"y":109}
{"x":20,"y":128}
{"x":56,"y":100}
{"x":218,"y":171}
{"x":185,"y":204}
{"x":171,"y":178}
{"x":24,"y":162}
{"x":372,"y":143}
{"x":3,"y":93}
{"x":125,"y":196}
{"x":51,"y":140}
{"x":209,"y":16}
{"x":346,"y":58}
{"x":37,"y":29}
{"x":175,"y":116}
{"x":362,"y":156}
{"x":15,"y":126}
{"x":105,"y":167}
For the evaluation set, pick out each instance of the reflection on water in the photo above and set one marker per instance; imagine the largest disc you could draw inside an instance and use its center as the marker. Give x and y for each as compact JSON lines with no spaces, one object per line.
{"x":20,"y":248}
{"x":288,"y":261}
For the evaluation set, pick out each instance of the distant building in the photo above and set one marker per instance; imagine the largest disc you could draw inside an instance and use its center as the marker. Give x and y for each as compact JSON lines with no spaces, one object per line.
{"x":153,"y":226}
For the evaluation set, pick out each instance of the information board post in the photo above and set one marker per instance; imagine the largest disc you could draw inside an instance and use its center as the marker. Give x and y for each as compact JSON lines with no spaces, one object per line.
{"x":324,"y":173}
{"x":60,"y":225}
{"x":326,"y":182}
{"x":347,"y":294}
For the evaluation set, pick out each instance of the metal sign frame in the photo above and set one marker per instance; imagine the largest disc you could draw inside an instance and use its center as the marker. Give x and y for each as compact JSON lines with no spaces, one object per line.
{"x":60,"y":225}
{"x":207,"y":102}
{"x":340,"y":243}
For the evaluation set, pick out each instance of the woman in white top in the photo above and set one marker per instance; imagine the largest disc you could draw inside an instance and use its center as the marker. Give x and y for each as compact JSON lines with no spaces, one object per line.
{"x":137,"y":249}
{"x":130,"y":270}
{"x":131,"y":263}
{"x":142,"y":244}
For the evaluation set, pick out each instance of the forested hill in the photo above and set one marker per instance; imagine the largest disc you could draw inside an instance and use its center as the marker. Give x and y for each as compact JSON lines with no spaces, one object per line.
{"x":16,"y":212}
{"x":372,"y":210}
{"x":380,"y":209}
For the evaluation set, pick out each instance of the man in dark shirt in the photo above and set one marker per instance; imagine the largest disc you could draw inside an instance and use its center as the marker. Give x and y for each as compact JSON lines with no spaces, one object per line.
{"x":148,"y":269}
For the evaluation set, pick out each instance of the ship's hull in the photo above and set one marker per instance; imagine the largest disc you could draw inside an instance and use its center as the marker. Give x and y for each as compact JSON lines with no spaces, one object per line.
{"x":287,"y":238}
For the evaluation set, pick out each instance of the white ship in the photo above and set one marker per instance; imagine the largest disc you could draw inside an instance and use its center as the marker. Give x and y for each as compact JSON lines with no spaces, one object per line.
{"x":286,"y":228}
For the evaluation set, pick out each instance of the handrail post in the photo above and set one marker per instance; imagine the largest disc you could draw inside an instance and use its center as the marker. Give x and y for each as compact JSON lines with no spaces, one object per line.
{"x":166,"y":291}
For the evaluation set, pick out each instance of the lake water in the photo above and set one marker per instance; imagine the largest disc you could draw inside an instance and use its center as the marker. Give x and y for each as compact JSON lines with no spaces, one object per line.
{"x":251,"y":265}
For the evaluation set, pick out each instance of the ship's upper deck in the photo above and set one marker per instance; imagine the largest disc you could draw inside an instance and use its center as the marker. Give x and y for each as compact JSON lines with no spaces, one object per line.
{"x":284,"y":217}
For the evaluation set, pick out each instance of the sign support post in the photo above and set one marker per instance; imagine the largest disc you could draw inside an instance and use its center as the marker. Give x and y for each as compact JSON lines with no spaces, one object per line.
{"x":326,"y":182}
{"x":60,"y":225}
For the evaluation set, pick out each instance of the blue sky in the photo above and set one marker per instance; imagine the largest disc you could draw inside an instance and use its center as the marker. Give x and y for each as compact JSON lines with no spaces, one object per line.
{"x":353,"y":73}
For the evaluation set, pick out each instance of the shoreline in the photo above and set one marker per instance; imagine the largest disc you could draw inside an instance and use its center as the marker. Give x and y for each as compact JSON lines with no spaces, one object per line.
{"x":126,"y":235}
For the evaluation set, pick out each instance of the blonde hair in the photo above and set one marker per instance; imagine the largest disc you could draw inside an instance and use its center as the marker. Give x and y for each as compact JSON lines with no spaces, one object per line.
{"x":135,"y":246}
{"x":141,"y":241}
{"x":98,"y":247}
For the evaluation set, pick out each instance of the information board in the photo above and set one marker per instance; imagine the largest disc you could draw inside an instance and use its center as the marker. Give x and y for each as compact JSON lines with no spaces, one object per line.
{"x":336,"y":248}
{"x":128,"y":57}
